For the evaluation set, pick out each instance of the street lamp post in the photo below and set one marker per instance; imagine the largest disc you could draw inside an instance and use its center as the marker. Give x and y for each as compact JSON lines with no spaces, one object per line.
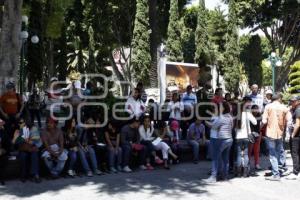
{"x":24,"y":37}
{"x":275,"y":62}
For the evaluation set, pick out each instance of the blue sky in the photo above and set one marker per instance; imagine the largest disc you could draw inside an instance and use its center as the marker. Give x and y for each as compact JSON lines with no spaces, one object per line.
{"x":211,"y":4}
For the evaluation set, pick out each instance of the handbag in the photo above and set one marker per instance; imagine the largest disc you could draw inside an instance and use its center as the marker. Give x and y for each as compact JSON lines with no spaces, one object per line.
{"x":137,"y":147}
{"x":26,"y":147}
{"x":252,"y":136}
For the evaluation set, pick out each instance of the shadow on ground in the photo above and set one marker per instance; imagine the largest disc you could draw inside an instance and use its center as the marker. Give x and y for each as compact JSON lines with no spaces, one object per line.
{"x":182,"y":178}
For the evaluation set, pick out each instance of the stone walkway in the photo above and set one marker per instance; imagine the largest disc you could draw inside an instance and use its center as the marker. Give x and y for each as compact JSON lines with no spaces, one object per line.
{"x":183,"y":181}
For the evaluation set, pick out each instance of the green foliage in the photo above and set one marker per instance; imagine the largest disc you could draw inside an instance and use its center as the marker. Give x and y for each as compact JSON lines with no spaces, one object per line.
{"x":267,"y":73}
{"x":56,"y":10}
{"x":174,"y":45}
{"x":232,"y":63}
{"x":141,"y":58}
{"x":251,"y":56}
{"x":294,"y":78}
{"x":202,"y":56}
{"x":217,"y":30}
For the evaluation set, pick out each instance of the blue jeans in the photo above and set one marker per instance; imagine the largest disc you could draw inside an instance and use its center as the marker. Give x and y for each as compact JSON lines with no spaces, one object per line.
{"x":55,"y":166}
{"x":276,"y":154}
{"x":242,"y":152}
{"x":73,"y":159}
{"x":34,"y":163}
{"x":114,"y":155}
{"x":195,"y":146}
{"x":83,"y":157}
{"x":214,"y":149}
{"x":222,"y":155}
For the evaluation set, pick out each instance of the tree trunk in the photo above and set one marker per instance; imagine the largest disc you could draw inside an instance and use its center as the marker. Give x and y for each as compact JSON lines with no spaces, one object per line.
{"x":50,"y":56}
{"x":153,"y":42}
{"x":10,"y":43}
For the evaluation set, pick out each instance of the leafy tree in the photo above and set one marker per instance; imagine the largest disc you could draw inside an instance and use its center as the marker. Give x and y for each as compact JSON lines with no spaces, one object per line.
{"x":279,"y":20}
{"x":294,"y":78}
{"x":267,"y":73}
{"x":202,"y":56}
{"x":188,"y":34}
{"x":232,"y":63}
{"x":174,"y":47}
{"x":141,"y":57}
{"x":251,"y":56}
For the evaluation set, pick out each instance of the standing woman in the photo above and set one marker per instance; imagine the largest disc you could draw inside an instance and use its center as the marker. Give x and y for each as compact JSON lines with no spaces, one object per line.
{"x":223,"y":143}
{"x":254,"y":149}
{"x":243,"y":130}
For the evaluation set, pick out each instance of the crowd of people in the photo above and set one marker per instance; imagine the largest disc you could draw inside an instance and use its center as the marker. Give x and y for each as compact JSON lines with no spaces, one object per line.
{"x":229,"y":137}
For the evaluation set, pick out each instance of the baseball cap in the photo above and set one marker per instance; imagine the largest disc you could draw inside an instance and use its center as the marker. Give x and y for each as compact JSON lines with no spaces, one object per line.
{"x":53,"y":79}
{"x":269,"y":92}
{"x":10,"y":85}
{"x":294,"y":98}
{"x":174,"y":125}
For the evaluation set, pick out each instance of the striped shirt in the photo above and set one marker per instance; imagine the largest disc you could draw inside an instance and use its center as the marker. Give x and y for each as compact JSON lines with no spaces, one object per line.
{"x":224,"y":125}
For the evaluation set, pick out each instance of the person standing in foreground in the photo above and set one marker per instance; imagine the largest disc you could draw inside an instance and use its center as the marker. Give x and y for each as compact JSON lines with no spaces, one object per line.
{"x":275,"y":118}
{"x":295,"y":137}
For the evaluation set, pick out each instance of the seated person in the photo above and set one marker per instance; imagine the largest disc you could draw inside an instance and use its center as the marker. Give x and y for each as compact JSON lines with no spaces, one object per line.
{"x":72,"y":144}
{"x":161,"y":132}
{"x":172,"y":137}
{"x":146,"y":131}
{"x":196,"y":138}
{"x":87,"y":140}
{"x":3,"y":151}
{"x":130,"y":141}
{"x":28,"y":141}
{"x":54,"y":155}
{"x":112,"y":136}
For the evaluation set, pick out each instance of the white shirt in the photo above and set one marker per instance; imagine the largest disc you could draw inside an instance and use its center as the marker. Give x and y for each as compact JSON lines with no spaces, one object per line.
{"x":247,"y":118}
{"x":135,"y":107}
{"x":146,"y":134}
{"x":175,"y":109}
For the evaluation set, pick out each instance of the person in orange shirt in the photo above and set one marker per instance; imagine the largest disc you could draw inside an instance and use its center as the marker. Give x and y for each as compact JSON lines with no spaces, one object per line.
{"x":11,"y":108}
{"x":275,"y":118}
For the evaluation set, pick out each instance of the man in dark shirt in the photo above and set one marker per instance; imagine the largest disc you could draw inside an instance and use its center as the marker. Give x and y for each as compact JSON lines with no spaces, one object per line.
{"x":295,"y":137}
{"x":130,"y":141}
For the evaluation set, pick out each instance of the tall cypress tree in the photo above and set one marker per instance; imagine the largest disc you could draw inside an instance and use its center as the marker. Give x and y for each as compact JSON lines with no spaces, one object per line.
{"x":232,"y":52}
{"x":174,"y":47}
{"x":141,"y":57}
{"x":252,"y":56}
{"x":201,"y":37}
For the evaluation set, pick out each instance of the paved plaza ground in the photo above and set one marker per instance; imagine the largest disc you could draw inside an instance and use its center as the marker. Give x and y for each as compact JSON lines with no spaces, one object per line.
{"x":183,"y":181}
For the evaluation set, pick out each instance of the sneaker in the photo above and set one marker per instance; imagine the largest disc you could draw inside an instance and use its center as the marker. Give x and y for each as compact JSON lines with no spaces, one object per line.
{"x":149,"y":167}
{"x":71,"y":173}
{"x":127,"y":169}
{"x":143,"y":167}
{"x":158,"y":161}
{"x":258,"y":167}
{"x":98,"y":172}
{"x":210,"y":180}
{"x":273,"y":178}
{"x":292,"y":176}
{"x":113,"y":170}
{"x":285,"y":172}
{"x":89,"y":174}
